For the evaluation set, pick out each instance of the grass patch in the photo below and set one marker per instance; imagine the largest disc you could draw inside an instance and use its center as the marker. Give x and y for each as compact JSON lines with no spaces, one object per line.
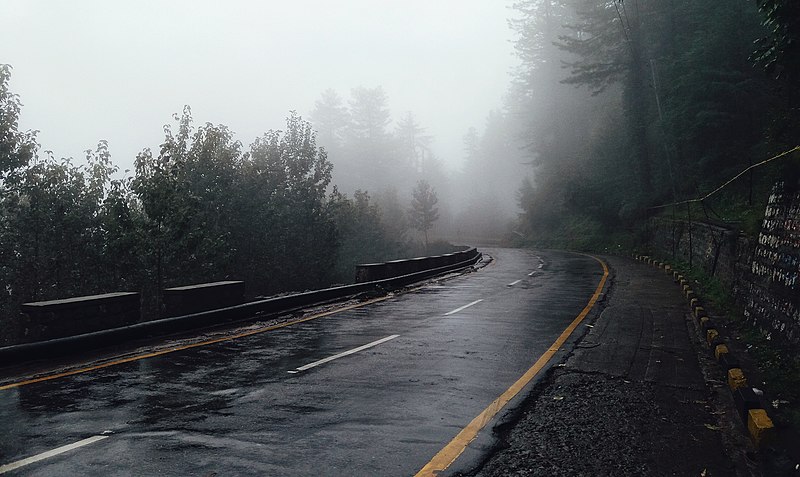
{"x":779,"y":364}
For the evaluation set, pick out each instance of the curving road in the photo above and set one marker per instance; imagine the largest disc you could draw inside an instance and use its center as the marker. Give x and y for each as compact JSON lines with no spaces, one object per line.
{"x":373,"y":390}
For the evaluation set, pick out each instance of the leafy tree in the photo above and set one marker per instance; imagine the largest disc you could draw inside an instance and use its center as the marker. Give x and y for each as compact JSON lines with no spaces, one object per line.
{"x":394,"y":220}
{"x":610,"y":45}
{"x":779,"y":51}
{"x":330,"y":118}
{"x":362,"y":238}
{"x":413,"y":144}
{"x":289,"y":228}
{"x":423,"y":212}
{"x":16,"y":148}
{"x":369,"y":151}
{"x":369,"y":114}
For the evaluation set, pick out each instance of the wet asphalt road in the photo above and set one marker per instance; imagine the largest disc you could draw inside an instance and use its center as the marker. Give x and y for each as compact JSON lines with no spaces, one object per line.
{"x":242,"y":407}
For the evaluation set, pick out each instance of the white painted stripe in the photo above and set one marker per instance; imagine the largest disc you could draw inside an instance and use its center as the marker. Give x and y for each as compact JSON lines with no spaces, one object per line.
{"x":51,"y":453}
{"x":532,"y":274}
{"x":342,"y":355}
{"x":463,"y":307}
{"x":513,"y":283}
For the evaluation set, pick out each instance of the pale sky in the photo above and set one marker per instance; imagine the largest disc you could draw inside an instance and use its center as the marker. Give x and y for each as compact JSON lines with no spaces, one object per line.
{"x":117,"y":70}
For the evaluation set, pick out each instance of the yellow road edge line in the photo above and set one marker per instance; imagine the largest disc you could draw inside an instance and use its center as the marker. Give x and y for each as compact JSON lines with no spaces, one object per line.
{"x":193,"y":345}
{"x":449,"y":453}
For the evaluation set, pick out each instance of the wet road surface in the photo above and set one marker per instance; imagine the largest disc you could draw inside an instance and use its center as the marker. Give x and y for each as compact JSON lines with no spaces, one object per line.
{"x":376,"y":390}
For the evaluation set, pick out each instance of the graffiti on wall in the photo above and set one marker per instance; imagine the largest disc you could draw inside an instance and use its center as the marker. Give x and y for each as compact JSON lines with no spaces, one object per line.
{"x":771,"y":294}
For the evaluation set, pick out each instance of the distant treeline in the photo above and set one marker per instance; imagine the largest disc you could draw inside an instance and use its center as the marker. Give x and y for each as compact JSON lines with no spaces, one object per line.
{"x":199,"y":209}
{"x":388,"y":157}
{"x":623,"y":106}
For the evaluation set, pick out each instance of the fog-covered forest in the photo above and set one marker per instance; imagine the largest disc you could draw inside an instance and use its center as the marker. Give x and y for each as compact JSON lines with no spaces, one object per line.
{"x":625,"y":106}
{"x":614,"y":107}
{"x":201,"y":207}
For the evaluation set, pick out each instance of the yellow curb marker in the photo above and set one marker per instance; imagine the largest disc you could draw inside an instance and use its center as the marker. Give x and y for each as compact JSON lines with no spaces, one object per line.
{"x":760,"y":425}
{"x":720,"y":350}
{"x":449,"y":453}
{"x":736,"y":379}
{"x":698,"y":310}
{"x":711,"y":334}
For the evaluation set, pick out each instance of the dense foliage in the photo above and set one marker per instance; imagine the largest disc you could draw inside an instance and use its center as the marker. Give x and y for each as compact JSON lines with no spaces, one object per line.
{"x":202,"y":208}
{"x":628,"y":105}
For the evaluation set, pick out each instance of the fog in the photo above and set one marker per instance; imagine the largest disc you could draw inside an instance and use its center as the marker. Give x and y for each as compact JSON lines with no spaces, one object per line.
{"x":550,"y":123}
{"x":92,"y":70}
{"x":89,"y":70}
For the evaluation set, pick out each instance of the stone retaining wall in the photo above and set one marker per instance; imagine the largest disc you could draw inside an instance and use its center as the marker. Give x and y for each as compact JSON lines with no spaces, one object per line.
{"x":762,"y":274}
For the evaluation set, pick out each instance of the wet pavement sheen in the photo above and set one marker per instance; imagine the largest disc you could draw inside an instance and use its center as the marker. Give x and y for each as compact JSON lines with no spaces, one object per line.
{"x":233,"y":408}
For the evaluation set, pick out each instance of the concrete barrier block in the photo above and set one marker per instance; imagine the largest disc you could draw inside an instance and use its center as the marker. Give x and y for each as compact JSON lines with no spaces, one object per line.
{"x":711,"y":335}
{"x":719,"y":350}
{"x":189,"y":299}
{"x":46,"y":320}
{"x":694,"y":302}
{"x":736,"y":379}
{"x":700,"y":312}
{"x":716,"y":341}
{"x":703,"y":320}
{"x":760,"y":426}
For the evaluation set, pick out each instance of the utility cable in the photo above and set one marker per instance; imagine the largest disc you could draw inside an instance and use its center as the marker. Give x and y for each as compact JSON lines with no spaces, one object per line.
{"x":701,"y":199}
{"x":621,"y":22}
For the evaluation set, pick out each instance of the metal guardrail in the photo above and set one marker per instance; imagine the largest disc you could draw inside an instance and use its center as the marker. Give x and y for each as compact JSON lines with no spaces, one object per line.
{"x":148,"y":329}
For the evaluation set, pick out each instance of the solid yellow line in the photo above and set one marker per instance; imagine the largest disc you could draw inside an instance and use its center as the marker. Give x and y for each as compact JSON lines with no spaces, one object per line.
{"x":449,"y":453}
{"x":189,"y":346}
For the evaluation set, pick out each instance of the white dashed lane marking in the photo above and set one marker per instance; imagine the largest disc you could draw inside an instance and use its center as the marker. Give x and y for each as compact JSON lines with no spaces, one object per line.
{"x":342,"y":355}
{"x":51,"y":453}
{"x":462,"y":307}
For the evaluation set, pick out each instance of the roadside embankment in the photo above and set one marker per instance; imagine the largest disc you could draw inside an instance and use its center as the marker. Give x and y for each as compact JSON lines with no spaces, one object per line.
{"x":640,"y":395}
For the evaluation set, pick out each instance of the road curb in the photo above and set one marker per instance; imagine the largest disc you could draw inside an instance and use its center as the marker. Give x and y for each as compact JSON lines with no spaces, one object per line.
{"x":751,"y":410}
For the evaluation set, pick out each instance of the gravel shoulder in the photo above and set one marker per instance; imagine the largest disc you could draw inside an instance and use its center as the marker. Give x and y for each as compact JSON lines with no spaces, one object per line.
{"x":639,"y":395}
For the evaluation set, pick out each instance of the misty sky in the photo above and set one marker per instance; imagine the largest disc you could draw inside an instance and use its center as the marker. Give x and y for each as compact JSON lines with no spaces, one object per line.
{"x":91,"y":70}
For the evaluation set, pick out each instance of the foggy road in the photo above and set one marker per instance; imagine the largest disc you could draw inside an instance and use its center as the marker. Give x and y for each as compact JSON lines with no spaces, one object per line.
{"x":373,"y":390}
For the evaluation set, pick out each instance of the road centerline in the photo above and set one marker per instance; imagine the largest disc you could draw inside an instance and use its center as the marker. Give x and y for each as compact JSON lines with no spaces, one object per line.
{"x":342,"y":354}
{"x":51,"y":453}
{"x":463,"y":307}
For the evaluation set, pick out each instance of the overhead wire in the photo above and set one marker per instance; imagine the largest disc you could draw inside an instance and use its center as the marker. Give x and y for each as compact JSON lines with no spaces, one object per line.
{"x":621,"y":21}
{"x":753,"y":166}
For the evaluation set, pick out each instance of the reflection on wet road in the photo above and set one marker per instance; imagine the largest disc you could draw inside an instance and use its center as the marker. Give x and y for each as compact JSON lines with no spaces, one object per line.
{"x":376,"y":390}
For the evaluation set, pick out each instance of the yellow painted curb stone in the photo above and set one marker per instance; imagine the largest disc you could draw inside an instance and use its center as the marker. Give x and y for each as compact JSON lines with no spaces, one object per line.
{"x":760,"y":426}
{"x":736,"y":379}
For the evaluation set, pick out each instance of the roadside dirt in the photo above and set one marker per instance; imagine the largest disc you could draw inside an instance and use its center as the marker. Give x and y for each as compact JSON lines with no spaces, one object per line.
{"x":640,"y":395}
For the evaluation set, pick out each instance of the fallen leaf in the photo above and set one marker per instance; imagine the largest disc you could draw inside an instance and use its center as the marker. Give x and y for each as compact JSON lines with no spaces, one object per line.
{"x":713,"y":428}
